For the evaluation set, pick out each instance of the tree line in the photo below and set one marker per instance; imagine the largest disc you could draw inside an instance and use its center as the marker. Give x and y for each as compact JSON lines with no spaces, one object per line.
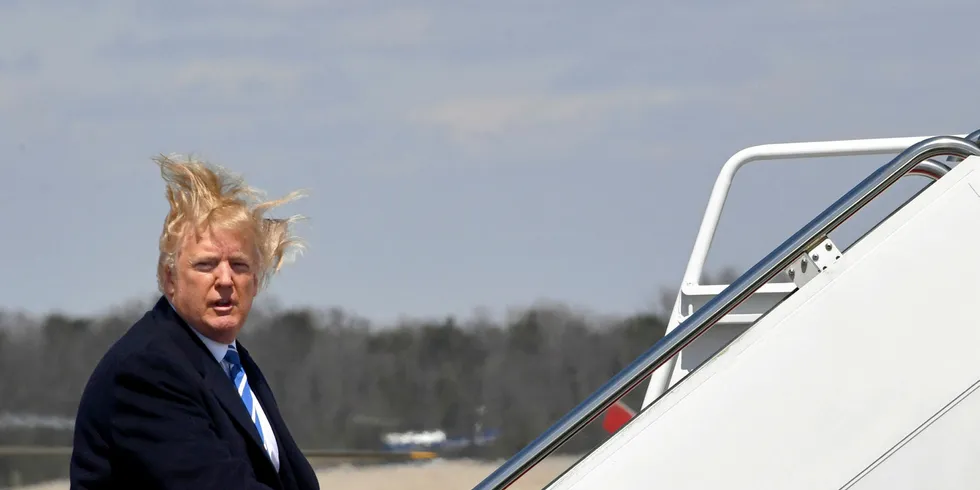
{"x":342,"y":381}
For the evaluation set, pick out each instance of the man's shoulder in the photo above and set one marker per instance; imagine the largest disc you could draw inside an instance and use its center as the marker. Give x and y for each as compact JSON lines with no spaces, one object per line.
{"x":144,"y":336}
{"x":147,"y":345}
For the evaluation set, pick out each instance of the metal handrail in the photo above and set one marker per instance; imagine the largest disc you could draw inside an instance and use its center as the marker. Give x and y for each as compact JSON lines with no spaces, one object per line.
{"x":933,"y":169}
{"x":706,"y":316}
{"x":974,"y":137}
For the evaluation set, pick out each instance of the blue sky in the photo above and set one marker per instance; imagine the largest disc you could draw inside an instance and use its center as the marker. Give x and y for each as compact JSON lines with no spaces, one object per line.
{"x":457,"y":154}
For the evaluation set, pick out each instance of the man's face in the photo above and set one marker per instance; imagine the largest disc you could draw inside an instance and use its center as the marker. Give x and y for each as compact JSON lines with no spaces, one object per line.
{"x":213,"y":283}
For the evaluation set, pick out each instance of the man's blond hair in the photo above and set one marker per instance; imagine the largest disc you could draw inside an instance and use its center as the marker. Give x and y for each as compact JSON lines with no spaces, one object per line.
{"x":204,"y":196}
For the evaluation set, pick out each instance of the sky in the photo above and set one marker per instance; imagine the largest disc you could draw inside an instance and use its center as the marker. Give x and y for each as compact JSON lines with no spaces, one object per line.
{"x":457,"y":155}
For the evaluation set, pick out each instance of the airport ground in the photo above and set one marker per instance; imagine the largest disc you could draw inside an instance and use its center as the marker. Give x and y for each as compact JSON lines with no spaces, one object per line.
{"x":434,"y":475}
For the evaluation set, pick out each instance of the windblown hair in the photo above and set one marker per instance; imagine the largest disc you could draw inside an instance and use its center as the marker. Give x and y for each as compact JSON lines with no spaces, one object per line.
{"x":203,"y":197}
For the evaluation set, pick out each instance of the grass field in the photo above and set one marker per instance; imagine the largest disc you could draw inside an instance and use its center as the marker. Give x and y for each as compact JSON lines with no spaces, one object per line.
{"x":435,"y":475}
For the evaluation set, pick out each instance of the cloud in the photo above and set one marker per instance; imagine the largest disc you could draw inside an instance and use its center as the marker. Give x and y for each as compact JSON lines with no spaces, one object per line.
{"x":426,"y":83}
{"x":234,"y":79}
{"x":471,"y":119}
{"x":394,"y":28}
{"x":21,"y":64}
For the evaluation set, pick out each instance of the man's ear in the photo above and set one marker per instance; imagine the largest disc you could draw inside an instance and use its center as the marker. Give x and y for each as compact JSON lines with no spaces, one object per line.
{"x":169,"y":282}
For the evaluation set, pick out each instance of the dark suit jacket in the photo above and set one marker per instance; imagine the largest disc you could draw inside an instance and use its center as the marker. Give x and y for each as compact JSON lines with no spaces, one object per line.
{"x":159,"y":413}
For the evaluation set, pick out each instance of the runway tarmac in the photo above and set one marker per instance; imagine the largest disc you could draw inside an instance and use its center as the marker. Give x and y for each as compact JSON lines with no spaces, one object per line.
{"x":434,"y":475}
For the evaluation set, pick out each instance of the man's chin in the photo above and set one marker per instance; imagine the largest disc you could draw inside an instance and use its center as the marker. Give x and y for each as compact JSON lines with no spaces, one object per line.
{"x":225,"y":325}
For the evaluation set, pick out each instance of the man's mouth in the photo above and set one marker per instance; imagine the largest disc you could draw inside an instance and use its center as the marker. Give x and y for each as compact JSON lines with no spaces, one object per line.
{"x":223,"y":304}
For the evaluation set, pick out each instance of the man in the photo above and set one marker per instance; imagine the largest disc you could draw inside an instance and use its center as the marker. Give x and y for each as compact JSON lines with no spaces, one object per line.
{"x":177,"y":402}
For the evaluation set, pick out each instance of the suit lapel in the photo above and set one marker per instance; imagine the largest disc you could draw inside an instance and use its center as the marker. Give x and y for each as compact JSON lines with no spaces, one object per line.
{"x":214,"y":375}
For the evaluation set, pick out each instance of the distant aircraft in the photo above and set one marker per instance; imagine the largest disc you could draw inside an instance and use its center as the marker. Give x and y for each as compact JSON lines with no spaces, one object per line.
{"x":436,"y":440}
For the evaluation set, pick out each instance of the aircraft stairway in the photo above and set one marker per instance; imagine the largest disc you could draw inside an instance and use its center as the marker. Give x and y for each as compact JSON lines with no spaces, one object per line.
{"x":861,"y":373}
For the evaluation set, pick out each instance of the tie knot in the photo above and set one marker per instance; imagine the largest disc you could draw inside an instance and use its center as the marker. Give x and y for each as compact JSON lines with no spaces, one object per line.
{"x":231,"y":356}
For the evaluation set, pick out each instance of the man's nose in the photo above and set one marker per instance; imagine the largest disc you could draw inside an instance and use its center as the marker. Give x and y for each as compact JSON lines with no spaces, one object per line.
{"x":222,"y":275}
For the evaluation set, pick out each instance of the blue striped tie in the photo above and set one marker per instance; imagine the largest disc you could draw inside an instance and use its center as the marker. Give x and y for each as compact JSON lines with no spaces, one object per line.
{"x":237,"y":374}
